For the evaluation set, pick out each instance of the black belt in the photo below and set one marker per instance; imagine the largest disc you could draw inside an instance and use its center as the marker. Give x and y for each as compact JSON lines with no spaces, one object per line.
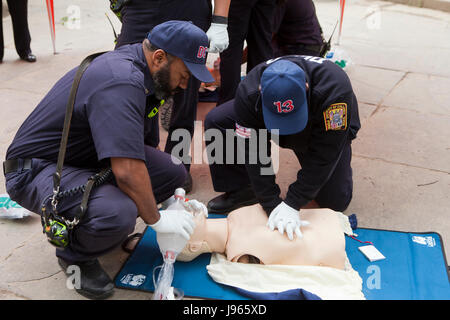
{"x":16,"y":165}
{"x":302,"y":46}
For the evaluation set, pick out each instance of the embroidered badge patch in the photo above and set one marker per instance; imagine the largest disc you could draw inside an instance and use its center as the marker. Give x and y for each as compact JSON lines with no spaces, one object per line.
{"x":336,"y":117}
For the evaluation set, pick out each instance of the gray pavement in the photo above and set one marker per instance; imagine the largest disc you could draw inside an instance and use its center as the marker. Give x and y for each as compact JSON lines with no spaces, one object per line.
{"x":401,"y":158}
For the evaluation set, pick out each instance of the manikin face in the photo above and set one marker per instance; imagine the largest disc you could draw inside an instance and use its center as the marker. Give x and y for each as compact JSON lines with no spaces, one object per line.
{"x":197,"y":242}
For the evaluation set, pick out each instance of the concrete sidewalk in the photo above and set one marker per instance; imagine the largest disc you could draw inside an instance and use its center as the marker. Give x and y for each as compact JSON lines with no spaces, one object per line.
{"x":442,"y":5}
{"x":401,"y":158}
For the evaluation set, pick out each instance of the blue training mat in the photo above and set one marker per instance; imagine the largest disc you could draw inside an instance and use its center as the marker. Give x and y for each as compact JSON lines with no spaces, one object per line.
{"x":415,"y":268}
{"x":191,"y":277}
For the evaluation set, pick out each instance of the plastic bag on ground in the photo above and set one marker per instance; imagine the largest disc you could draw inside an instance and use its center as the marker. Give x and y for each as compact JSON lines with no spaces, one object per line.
{"x":10,"y":209}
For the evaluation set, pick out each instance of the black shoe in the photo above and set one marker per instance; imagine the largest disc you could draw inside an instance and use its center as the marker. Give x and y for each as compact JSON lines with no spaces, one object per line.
{"x":94,"y":281}
{"x":29,"y":57}
{"x":230,"y":201}
{"x":188,"y":183}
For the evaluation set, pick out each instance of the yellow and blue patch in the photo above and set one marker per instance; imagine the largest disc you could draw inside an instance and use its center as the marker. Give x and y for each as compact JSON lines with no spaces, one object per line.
{"x":335,"y":117}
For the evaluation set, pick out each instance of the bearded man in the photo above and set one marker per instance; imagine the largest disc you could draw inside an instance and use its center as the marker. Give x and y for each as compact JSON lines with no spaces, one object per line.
{"x":117,"y":97}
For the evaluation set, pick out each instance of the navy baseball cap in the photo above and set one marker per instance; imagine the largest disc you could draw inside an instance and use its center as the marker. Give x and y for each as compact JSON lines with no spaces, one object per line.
{"x":284,"y":102}
{"x":186,"y":41}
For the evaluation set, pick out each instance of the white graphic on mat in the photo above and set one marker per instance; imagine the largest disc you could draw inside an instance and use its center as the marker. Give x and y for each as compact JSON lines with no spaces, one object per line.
{"x":425,"y":241}
{"x":134,"y":280}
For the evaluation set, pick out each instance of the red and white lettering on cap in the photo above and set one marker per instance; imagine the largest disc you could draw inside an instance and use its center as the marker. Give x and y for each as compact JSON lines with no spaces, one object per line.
{"x":201,"y":54}
{"x":285,"y":106}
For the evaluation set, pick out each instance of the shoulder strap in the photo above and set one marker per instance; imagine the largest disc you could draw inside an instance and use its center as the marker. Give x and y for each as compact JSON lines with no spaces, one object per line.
{"x":68,"y":117}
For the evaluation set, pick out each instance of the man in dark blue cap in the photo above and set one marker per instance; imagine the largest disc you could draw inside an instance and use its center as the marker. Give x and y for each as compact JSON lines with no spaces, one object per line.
{"x":305,"y":104}
{"x":140,"y":16}
{"x":118,"y":95}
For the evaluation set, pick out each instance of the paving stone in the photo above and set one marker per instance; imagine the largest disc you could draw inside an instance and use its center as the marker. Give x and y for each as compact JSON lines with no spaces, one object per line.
{"x":422,"y":93}
{"x":371,"y":85}
{"x":400,"y":197}
{"x":404,"y":136}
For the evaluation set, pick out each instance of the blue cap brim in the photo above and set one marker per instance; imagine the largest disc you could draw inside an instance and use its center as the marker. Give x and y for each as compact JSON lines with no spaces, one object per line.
{"x":288,"y":124}
{"x":200,"y":72}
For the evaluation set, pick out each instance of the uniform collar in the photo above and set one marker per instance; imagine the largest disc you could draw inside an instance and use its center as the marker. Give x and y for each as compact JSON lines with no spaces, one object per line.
{"x":148,"y":81}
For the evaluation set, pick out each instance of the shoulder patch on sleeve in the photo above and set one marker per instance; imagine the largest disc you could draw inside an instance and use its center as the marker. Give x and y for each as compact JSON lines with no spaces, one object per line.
{"x":335,"y":117}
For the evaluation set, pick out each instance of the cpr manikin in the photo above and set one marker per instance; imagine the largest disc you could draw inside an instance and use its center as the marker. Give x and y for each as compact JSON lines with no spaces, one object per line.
{"x":244,"y":237}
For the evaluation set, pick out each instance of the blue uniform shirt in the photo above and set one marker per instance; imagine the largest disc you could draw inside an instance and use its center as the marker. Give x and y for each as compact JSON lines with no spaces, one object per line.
{"x":109,"y":118}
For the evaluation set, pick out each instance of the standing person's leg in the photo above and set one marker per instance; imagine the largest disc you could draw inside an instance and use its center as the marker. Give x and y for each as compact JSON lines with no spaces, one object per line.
{"x":231,"y":178}
{"x":1,"y":33}
{"x":19,"y":16}
{"x":184,"y":111}
{"x":259,"y":39}
{"x":231,"y":58}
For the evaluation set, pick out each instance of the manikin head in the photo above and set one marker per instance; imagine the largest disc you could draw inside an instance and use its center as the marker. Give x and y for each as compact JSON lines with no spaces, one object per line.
{"x":197,"y":243}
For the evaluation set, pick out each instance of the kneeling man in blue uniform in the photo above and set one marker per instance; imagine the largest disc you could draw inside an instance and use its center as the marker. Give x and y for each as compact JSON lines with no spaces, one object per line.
{"x":305,"y":104}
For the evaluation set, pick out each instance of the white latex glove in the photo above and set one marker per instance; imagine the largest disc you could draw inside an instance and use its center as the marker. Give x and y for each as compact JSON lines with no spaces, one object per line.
{"x":175,"y":221}
{"x":196,"y":207}
{"x":218,"y":37}
{"x":193,"y":206}
{"x":286,"y":218}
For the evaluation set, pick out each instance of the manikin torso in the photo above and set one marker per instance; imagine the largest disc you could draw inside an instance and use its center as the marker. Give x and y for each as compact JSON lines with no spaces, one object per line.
{"x":244,"y":237}
{"x":322,"y":244}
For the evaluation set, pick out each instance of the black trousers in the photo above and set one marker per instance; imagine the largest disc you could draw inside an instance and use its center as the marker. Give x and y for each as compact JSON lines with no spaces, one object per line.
{"x":18,"y":10}
{"x":335,"y":194}
{"x":280,"y":51}
{"x":249,"y":20}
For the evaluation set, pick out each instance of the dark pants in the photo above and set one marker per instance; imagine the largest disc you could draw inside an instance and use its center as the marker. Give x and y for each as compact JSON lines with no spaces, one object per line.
{"x":335,"y":194}
{"x":111,"y":214}
{"x":19,"y":16}
{"x":139,"y":17}
{"x":249,"y":20}
{"x":184,"y":114}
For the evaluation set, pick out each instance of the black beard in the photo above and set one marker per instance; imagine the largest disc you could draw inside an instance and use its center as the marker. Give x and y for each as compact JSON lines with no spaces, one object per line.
{"x":161,"y":80}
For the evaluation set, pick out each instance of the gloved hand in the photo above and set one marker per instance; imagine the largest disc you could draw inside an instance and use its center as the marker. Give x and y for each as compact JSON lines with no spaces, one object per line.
{"x":218,"y":37}
{"x":195,"y":207}
{"x":175,"y":221}
{"x":286,"y":218}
